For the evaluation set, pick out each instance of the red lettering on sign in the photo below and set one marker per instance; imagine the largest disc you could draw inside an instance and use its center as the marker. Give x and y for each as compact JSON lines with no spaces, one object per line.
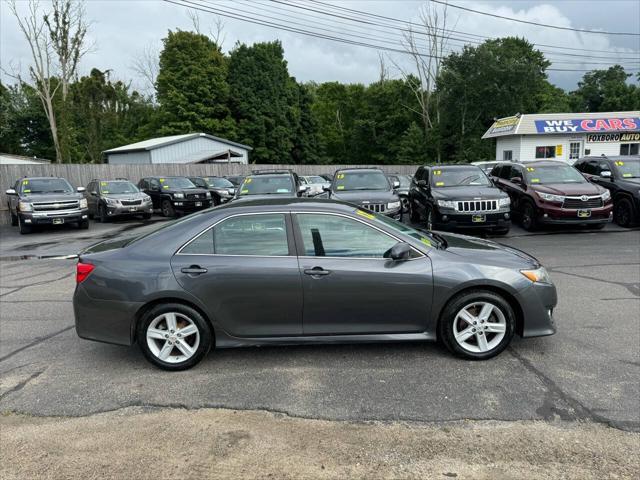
{"x":616,"y":124}
{"x":629,"y":123}
{"x":585,"y":124}
{"x":602,"y":125}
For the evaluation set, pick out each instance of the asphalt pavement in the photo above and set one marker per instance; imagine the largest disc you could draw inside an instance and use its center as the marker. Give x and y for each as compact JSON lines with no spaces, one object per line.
{"x":588,"y":371}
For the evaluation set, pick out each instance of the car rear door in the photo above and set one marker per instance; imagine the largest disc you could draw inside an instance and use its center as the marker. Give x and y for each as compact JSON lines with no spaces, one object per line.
{"x":349,"y":288}
{"x":245,"y":271}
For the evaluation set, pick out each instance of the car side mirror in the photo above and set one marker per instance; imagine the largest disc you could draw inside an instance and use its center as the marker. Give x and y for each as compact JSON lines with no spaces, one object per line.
{"x":10,"y":191}
{"x":400,"y":252}
{"x":326,"y":188}
{"x":396,"y":184}
{"x":605,"y":173}
{"x":303,"y":188}
{"x":421,"y":183}
{"x":94,"y":193}
{"x":80,"y":189}
{"x":517,"y":180}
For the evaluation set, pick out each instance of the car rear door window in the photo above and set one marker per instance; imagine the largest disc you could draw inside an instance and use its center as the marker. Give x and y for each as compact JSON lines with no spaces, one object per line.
{"x":337,"y":236}
{"x":261,"y":235}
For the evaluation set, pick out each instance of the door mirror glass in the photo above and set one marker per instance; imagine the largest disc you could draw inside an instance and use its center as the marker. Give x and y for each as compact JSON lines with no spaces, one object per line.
{"x":94,"y":193}
{"x":396,"y":184}
{"x":421,"y":183}
{"x":517,"y":180}
{"x":80,"y":189}
{"x":303,"y":188}
{"x":401,"y":251}
{"x":605,"y":173}
{"x":10,"y":191}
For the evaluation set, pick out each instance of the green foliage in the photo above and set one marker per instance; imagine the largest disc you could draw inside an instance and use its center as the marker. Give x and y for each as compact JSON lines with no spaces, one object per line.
{"x":192,"y":88}
{"x":606,"y":91}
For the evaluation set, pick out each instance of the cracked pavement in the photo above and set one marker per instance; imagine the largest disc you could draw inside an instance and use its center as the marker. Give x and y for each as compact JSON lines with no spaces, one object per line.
{"x":588,"y":371}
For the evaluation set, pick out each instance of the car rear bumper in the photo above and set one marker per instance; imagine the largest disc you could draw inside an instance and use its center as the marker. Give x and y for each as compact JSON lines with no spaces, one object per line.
{"x":538,"y":303}
{"x":104,"y":320}
{"x":498,"y":221}
{"x":53,"y":217}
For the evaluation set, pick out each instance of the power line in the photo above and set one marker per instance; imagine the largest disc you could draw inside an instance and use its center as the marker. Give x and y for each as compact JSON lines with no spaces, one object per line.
{"x":247,"y":18}
{"x":557,"y":27}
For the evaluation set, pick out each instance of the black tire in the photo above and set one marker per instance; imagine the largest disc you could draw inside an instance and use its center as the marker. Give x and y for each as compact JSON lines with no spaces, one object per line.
{"x":204,"y":332}
{"x":528,"y":217}
{"x":215,"y":199}
{"x":83,"y":224}
{"x":24,"y":229}
{"x":623,"y":212}
{"x":14,"y":220}
{"x":404,"y":203}
{"x":456,"y":304}
{"x":167,"y":209}
{"x":102,"y":214}
{"x":414,"y":215}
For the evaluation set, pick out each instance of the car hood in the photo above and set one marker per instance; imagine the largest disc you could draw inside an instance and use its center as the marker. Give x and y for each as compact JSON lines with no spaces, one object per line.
{"x":468,"y":192}
{"x":568,"y":189}
{"x":124,"y":196}
{"x":364,"y":196}
{"x":51,"y":197}
{"x":487,"y":252}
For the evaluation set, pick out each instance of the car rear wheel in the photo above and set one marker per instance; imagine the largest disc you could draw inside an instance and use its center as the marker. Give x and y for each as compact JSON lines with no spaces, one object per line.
{"x":167,"y":209}
{"x":173,"y":336}
{"x":623,"y":212}
{"x":528,"y":218}
{"x":14,"y":220}
{"x":414,"y":216}
{"x":477,"y":325}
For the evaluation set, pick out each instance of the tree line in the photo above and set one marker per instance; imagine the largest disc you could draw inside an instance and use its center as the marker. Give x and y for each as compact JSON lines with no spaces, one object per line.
{"x":248,"y":95}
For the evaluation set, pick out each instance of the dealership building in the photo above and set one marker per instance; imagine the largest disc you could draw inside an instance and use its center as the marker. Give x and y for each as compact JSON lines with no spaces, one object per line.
{"x":565,"y":136}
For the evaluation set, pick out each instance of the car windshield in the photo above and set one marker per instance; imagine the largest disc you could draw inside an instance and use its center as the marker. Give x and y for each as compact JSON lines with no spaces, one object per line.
{"x":218,"y":182}
{"x":266,"y":185}
{"x":628,"y":168}
{"x":457,"y":177}
{"x":118,"y":187}
{"x":405,"y":180}
{"x":349,"y":181}
{"x":46,"y":185}
{"x":549,"y":174}
{"x":421,"y":235}
{"x":176,"y":183}
{"x":315,"y":179}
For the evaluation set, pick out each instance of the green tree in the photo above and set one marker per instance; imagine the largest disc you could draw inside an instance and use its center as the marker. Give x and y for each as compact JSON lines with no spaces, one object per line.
{"x":192,"y":87}
{"x":497,"y":78}
{"x":411,"y":148}
{"x":605,"y":91}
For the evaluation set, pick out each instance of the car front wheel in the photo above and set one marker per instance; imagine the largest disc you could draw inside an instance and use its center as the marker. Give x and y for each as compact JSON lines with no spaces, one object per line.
{"x":173,"y":336}
{"x":623,"y":212}
{"x":477,"y":325}
{"x":529,"y":217}
{"x":167,"y":209}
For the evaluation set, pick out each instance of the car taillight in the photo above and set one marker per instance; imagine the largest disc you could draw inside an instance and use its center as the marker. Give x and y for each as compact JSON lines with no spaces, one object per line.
{"x":82,"y":271}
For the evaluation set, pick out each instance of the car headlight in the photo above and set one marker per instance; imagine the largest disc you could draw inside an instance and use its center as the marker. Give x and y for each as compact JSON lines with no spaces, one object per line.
{"x":83,"y":203}
{"x":110,"y":201}
{"x":25,"y":207}
{"x":504,"y":202}
{"x":231,"y":191}
{"x":178,"y":195}
{"x":393,"y":205}
{"x":539,"y":275}
{"x":447,"y":203}
{"x":550,"y":197}
{"x":207,"y":195}
{"x":146,"y":198}
{"x":606,"y":195}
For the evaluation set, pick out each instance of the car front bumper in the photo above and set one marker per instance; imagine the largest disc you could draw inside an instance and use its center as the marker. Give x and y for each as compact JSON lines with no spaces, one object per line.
{"x":538,"y":303}
{"x":117,"y":210}
{"x":54,"y":217}
{"x":191,"y":205}
{"x":452,"y":220}
{"x":553,"y":215}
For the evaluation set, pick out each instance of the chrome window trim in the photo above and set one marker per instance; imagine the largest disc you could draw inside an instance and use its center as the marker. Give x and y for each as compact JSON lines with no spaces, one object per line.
{"x":179,"y":251}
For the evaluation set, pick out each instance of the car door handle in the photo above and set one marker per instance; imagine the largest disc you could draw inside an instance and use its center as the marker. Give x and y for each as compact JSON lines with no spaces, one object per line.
{"x":193,"y":270}
{"x":316,"y":271}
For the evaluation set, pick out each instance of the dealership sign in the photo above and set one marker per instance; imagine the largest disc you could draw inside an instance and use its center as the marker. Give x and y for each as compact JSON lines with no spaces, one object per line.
{"x":504,"y":125}
{"x":613,"y":137}
{"x":589,"y":125}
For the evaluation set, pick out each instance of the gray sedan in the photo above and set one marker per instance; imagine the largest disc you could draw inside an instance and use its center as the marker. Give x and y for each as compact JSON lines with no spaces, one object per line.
{"x":297,"y":271}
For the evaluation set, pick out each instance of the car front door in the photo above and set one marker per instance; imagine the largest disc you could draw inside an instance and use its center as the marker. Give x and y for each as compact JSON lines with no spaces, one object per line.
{"x":245,"y":271}
{"x":349,"y":288}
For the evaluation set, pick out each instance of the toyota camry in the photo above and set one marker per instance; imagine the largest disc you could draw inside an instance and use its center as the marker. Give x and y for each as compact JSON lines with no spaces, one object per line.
{"x":301,"y":271}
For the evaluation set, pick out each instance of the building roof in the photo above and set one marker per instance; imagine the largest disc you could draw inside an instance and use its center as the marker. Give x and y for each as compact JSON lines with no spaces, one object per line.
{"x":536,"y":124}
{"x":154,"y":143}
{"x":9,"y":159}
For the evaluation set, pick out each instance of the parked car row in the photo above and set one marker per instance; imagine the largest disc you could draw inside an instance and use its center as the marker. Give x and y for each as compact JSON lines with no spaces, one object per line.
{"x":442,"y":197}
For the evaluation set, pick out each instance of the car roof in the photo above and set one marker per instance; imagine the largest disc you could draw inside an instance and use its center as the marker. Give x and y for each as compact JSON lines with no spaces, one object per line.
{"x":610,"y":157}
{"x":167,"y":176}
{"x":43,"y":178}
{"x":360,"y":169}
{"x":451,"y":165}
{"x":288,"y":203}
{"x":542,"y":163}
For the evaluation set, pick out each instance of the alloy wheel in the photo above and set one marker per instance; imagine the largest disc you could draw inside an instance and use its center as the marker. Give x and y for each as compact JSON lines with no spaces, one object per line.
{"x":622,"y":213}
{"x":173,"y":337}
{"x":479,"y":327}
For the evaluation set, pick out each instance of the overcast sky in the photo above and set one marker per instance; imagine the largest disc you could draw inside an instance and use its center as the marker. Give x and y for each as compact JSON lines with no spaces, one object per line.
{"x":121,"y":29}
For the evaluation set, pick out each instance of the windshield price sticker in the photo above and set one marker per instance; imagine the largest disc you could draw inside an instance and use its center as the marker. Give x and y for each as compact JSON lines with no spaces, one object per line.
{"x":248,"y":180}
{"x":439,"y":184}
{"x":620,"y":163}
{"x":625,"y":175}
{"x":340,"y":176}
{"x":437,"y":172}
{"x":364,"y":214}
{"x":26,"y":191}
{"x":162,"y":180}
{"x":104,"y":184}
{"x":531,"y":169}
{"x":165,"y":186}
{"x":25,"y":182}
{"x":535,"y":180}
{"x":246,"y":190}
{"x":340,"y":187}
{"x":425,"y":241}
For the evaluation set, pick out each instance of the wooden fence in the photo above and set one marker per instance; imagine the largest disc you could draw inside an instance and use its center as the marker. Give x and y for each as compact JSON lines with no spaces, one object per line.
{"x":79,"y":175}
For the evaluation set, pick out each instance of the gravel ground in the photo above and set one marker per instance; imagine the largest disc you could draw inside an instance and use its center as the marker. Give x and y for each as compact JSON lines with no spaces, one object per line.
{"x":218,"y":443}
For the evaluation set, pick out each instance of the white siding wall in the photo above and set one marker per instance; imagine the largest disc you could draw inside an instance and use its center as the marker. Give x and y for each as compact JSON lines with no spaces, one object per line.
{"x":178,"y":152}
{"x":604,"y":148}
{"x":508,"y":143}
{"x":131,"y":158}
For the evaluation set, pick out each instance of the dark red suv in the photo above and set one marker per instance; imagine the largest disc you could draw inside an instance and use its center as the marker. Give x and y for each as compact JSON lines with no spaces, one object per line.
{"x":552,"y":192}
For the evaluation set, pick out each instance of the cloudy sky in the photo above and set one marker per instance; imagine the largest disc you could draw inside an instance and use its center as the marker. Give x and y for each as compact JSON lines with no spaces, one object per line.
{"x":122,"y":29}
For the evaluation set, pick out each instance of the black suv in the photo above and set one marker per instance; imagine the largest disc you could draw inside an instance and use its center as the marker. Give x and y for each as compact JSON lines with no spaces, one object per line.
{"x":369,"y":188}
{"x":621,"y":176}
{"x":221,"y":189}
{"x":46,"y":201}
{"x":269,"y":184}
{"x":111,"y":198}
{"x":458,"y":196}
{"x":173,"y":195}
